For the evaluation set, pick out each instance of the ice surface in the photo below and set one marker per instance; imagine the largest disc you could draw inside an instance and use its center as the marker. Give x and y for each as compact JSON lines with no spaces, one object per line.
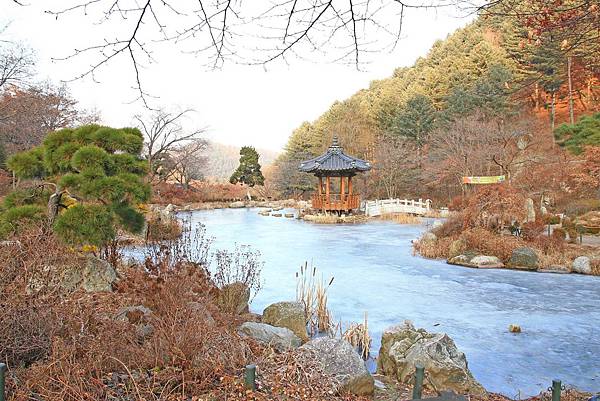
{"x":375,"y":271}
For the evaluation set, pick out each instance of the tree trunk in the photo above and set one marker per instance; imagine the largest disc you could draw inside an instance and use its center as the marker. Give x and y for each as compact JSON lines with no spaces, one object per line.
{"x":54,"y":206}
{"x":552,"y":114}
{"x":537,"y":96}
{"x":248,"y":193}
{"x":571,"y":111}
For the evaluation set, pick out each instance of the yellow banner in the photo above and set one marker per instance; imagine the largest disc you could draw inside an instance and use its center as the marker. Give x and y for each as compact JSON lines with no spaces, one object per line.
{"x":494,"y":179}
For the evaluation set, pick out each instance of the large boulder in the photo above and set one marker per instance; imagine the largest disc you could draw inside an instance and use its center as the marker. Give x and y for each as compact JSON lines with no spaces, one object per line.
{"x":582,"y":265}
{"x":524,"y":258}
{"x":289,"y":315}
{"x":279,"y":338}
{"x":98,"y":275}
{"x":234,"y":298}
{"x":403,"y":347}
{"x":478,"y":261}
{"x":340,"y":360}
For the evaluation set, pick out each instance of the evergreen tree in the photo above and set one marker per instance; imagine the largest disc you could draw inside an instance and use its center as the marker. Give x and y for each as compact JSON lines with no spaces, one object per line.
{"x":98,"y":170}
{"x":549,"y":62}
{"x":248,"y":172}
{"x":575,"y":137}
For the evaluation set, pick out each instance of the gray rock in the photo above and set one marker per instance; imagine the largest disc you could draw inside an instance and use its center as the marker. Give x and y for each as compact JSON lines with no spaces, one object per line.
{"x":139,"y":316}
{"x":403,"y":347}
{"x":523,"y":258}
{"x":436,"y":224}
{"x":168,"y":213}
{"x":478,"y":261}
{"x":340,"y":360}
{"x":236,"y":205}
{"x":98,"y":275}
{"x":279,"y":338}
{"x":484,"y":261}
{"x":529,"y":206}
{"x":289,"y":315}
{"x":582,"y":265}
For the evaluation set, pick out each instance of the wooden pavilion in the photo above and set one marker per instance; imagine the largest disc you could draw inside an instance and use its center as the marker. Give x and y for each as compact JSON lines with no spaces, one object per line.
{"x":332,"y":164}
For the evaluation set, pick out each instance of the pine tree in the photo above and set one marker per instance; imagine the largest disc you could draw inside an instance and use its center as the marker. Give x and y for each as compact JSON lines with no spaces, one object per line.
{"x":248,"y":172}
{"x":98,"y":170}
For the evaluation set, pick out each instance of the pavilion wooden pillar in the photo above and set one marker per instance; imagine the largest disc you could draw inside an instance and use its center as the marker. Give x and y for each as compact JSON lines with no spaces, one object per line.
{"x":320,"y":192}
{"x":328,"y":185}
{"x":342,"y":190}
{"x":349,"y":185}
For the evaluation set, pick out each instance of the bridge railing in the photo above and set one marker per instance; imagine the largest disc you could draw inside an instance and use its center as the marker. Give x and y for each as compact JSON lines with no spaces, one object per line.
{"x":379,"y":207}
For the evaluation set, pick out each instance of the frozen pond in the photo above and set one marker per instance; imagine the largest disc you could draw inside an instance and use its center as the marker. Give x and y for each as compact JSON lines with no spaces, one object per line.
{"x":375,"y":271}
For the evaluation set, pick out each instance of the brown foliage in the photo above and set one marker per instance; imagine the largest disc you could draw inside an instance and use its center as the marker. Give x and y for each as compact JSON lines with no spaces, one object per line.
{"x":492,"y":206}
{"x":71,"y":346}
{"x":489,"y":243}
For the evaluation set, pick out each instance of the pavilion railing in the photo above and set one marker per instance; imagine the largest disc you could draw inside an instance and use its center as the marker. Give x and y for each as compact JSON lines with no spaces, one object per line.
{"x":336,"y":201}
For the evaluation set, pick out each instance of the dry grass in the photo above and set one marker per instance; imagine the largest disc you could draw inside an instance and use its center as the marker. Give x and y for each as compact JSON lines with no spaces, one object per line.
{"x":311,"y":291}
{"x":402,"y":218}
{"x":357,"y":334}
{"x":433,"y":250}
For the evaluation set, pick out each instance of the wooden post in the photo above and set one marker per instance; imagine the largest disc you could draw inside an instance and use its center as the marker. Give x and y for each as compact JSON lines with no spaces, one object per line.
{"x":342,"y":190}
{"x":350,"y":188}
{"x":320,"y":185}
{"x":327,"y":186}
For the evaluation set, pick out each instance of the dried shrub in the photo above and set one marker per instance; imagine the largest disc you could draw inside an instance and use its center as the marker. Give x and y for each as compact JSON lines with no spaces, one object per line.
{"x":434,"y":249}
{"x":160,"y":229}
{"x":451,"y":227}
{"x":358,"y":335}
{"x":579,"y":207}
{"x":595,"y":265}
{"x":490,"y":243}
{"x":240,"y":267}
{"x":531,"y":230}
{"x":493,"y":207}
{"x":549,"y":244}
{"x":559,"y":233}
{"x":402,"y":218}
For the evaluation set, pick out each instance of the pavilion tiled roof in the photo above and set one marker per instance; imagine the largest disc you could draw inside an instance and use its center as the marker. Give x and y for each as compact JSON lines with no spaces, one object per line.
{"x":334,"y":161}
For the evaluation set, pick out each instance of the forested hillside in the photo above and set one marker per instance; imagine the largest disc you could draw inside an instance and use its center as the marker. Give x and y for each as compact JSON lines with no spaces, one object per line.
{"x":485,"y":101}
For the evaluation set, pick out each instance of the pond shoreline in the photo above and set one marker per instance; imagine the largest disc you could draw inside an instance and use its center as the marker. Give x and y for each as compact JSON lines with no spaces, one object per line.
{"x":375,"y":271}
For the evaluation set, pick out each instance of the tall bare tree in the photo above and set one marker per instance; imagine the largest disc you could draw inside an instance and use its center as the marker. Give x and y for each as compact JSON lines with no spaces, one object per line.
{"x":164,"y":135}
{"x":17,"y":62}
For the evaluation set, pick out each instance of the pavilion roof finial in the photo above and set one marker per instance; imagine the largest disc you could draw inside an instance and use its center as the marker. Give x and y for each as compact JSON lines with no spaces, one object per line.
{"x":335,"y":143}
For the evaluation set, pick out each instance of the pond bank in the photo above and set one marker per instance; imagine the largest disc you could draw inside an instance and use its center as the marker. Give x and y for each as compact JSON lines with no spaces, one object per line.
{"x":375,"y":271}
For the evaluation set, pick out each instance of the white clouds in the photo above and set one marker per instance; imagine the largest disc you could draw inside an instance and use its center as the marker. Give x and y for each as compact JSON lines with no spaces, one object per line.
{"x":240,"y":104}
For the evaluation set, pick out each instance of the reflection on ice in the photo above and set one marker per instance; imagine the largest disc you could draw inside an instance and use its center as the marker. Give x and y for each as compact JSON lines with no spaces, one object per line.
{"x":375,"y":271}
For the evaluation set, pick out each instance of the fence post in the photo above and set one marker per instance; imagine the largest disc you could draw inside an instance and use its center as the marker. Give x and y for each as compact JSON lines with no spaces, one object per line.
{"x":249,"y":377}
{"x":419,"y":376}
{"x":556,"y":387}
{"x":2,"y":372}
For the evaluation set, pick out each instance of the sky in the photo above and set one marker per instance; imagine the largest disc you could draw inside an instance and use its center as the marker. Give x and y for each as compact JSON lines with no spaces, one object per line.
{"x":238,"y":104}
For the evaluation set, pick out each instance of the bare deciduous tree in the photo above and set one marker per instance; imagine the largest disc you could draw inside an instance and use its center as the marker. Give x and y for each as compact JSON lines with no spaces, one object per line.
{"x":189,"y":162}
{"x":395,"y":168}
{"x":479,"y":146}
{"x":17,"y":63}
{"x":164,"y":135}
{"x":27,"y":115}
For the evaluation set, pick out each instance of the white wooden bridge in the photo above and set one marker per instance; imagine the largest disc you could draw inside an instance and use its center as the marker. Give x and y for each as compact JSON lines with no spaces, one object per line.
{"x":409,"y":206}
